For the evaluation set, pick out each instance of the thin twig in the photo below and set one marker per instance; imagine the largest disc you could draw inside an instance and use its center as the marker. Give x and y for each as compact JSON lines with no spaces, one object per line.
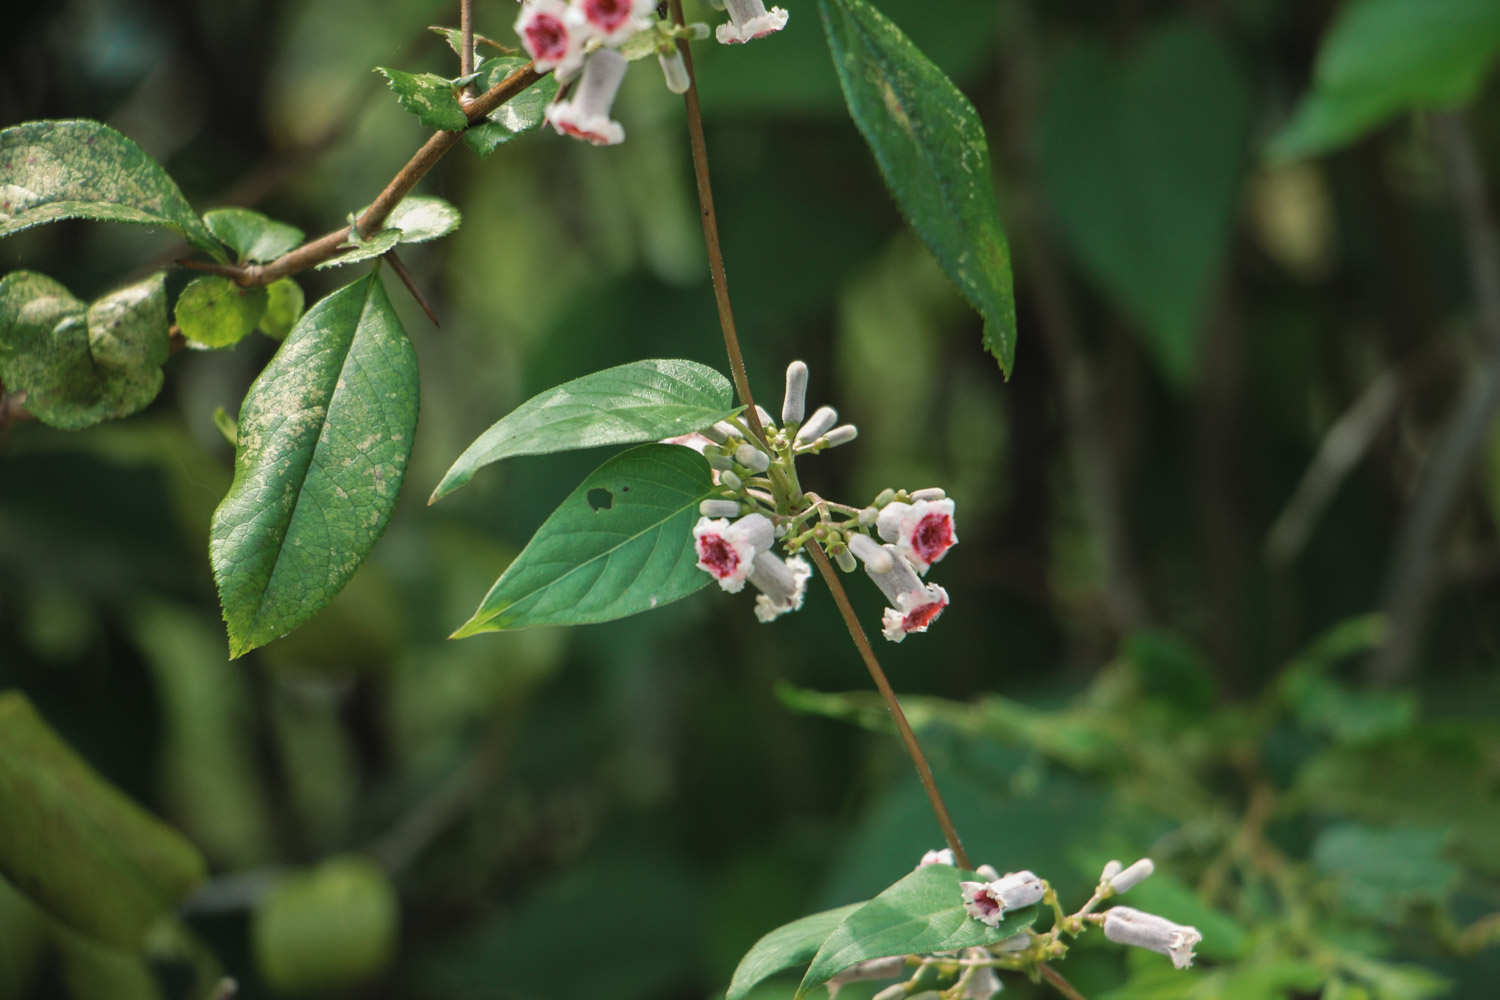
{"x":411,"y":284}
{"x":711,"y":231}
{"x":908,"y":738}
{"x":466,"y":45}
{"x":1060,"y":984}
{"x":742,"y":385}
{"x":1414,"y":578}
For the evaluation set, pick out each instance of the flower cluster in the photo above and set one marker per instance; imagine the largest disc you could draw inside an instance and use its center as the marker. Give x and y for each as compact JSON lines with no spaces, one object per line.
{"x":596,"y":38}
{"x":759,"y":502}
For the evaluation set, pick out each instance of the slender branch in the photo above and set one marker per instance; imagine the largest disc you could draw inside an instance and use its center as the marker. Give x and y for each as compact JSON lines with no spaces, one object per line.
{"x":466,"y":45}
{"x":328,"y":245}
{"x":1414,"y":577}
{"x":1060,"y":984}
{"x":742,"y":385}
{"x":711,"y":231}
{"x":908,"y":738}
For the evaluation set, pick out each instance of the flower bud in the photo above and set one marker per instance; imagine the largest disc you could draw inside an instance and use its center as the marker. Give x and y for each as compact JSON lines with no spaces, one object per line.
{"x":987,"y":872}
{"x":721,"y":462}
{"x":841,"y":435}
{"x":716,"y":433}
{"x":674,"y":70}
{"x":930,"y":493}
{"x":752,"y":458}
{"x":884,"y":497}
{"x":1111,"y":869}
{"x":727,"y":430}
{"x":941,"y":857}
{"x":868,"y":516}
{"x":793,"y":404}
{"x":731,"y":480}
{"x":765,"y":416}
{"x":1014,"y":943}
{"x":1132,"y":876}
{"x":719,"y":508}
{"x":845,"y":560}
{"x":1124,"y":925}
{"x":823,"y":418}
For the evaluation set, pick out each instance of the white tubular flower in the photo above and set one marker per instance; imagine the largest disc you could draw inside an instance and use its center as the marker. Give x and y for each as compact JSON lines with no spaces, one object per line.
{"x":794,"y":403}
{"x":922,"y":531}
{"x":1132,"y":876}
{"x":1111,"y":869}
{"x":818,"y":424}
{"x":842,"y":434}
{"x":749,"y":19}
{"x":782,"y":584}
{"x":989,"y":901}
{"x":727,"y":551}
{"x":871,"y":553}
{"x":674,"y":70}
{"x":550,"y":38}
{"x":1124,"y":925}
{"x":695,"y":440}
{"x":942,"y":857}
{"x":930,"y":493}
{"x":914,"y":605}
{"x":611,"y":21}
{"x":982,"y":982}
{"x":585,"y":114}
{"x":719,"y":508}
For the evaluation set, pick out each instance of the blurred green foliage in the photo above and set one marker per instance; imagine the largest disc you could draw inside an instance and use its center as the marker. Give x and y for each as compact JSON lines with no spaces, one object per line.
{"x":1126,"y":669}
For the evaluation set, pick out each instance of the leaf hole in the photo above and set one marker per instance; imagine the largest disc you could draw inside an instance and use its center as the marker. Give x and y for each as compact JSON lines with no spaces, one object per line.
{"x":601,"y":499}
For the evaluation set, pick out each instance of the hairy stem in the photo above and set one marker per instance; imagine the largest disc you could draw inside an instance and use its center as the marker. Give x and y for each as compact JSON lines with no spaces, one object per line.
{"x":742,"y":385}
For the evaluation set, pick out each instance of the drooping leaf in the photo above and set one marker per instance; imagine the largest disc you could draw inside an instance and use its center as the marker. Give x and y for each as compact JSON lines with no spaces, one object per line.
{"x":76,"y":845}
{"x":323,"y":438}
{"x":521,"y":113}
{"x":328,"y":929}
{"x":923,"y":912}
{"x":786,"y":947}
{"x":1382,"y":57}
{"x":455,"y":38}
{"x":78,"y":169}
{"x":930,"y":145}
{"x":215,"y":312}
{"x":284,"y":302}
{"x":253,"y":237}
{"x":369,"y":248}
{"x":432,"y":98}
{"x":1142,"y":159}
{"x":640,"y":401}
{"x":422,"y":217}
{"x":620,"y":544}
{"x":80,"y":365}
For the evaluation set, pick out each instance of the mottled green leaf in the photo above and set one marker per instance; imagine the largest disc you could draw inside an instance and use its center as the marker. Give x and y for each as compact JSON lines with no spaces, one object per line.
{"x":215,"y":312}
{"x":420,"y":218}
{"x":787,"y":946}
{"x":77,"y":169}
{"x":1379,"y":873}
{"x":253,"y":237}
{"x":521,"y":113}
{"x":620,"y":544}
{"x":923,"y":912}
{"x":284,"y":301}
{"x":76,"y":845}
{"x":327,"y":930}
{"x":324,"y":434}
{"x":455,"y":39}
{"x":1142,"y":160}
{"x":432,"y":98}
{"x":626,"y":404}
{"x":931,"y":147}
{"x":80,"y":365}
{"x":1382,"y":57}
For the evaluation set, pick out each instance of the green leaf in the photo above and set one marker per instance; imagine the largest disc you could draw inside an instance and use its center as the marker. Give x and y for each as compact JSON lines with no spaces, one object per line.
{"x":455,"y":39}
{"x":370,"y":247}
{"x":284,"y":302}
{"x":78,"y":169}
{"x":80,"y":365}
{"x":521,"y":113}
{"x":626,"y":404}
{"x":328,"y":929}
{"x":215,"y":312}
{"x":787,"y":946}
{"x":924,"y":912}
{"x":620,"y":544}
{"x":432,"y":98}
{"x":323,"y":438}
{"x":1383,"y":57}
{"x":420,"y":218}
{"x":226,"y":425}
{"x":1142,"y":158}
{"x":1381,"y":872}
{"x":76,"y":845}
{"x":930,"y":145}
{"x":253,"y":237}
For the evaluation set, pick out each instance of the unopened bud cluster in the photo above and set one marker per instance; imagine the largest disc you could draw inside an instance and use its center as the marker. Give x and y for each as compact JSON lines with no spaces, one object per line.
{"x":759,"y":502}
{"x":594,"y":40}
